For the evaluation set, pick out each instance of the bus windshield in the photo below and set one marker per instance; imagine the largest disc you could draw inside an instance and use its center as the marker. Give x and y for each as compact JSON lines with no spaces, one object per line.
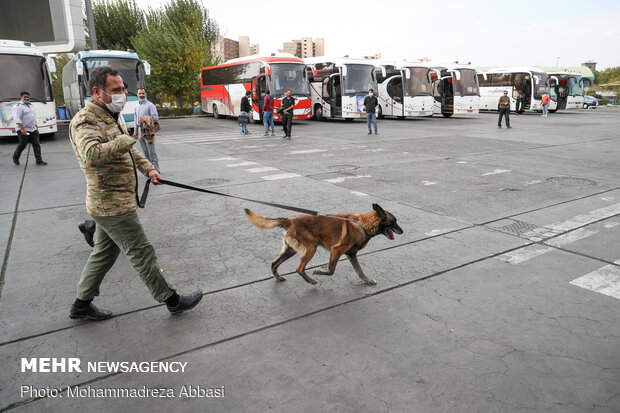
{"x":540,"y":84}
{"x":289,"y":76}
{"x":575,"y":86}
{"x":359,"y":79}
{"x":418,"y":83}
{"x":129,"y":69}
{"x":467,"y":85}
{"x":24,"y":73}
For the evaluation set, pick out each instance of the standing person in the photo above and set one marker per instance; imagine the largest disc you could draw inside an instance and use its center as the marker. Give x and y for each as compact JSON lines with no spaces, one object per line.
{"x":519,"y":104}
{"x":106,"y":154}
{"x":504,"y":110}
{"x":545,"y":104}
{"x":244,"y":116}
{"x":287,"y":107}
{"x":370,"y":105}
{"x":145,"y":117}
{"x":26,"y":119}
{"x":268,"y":114}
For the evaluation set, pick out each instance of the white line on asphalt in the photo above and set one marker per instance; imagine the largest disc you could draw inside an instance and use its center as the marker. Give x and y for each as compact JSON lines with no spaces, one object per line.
{"x":439,"y":231}
{"x":225,"y":158}
{"x":462,"y":162}
{"x":608,"y":198}
{"x":306,"y":151}
{"x":573,"y":236}
{"x":427,"y":183}
{"x":263,"y":169}
{"x":605,"y":280}
{"x":532,"y":182}
{"x":611,"y":224}
{"x":357,"y":193}
{"x":496,"y":171}
{"x":246,"y":163}
{"x":342,"y":178}
{"x":584,"y":219}
{"x":279,"y":176}
{"x":523,"y":254}
{"x":375,"y":150}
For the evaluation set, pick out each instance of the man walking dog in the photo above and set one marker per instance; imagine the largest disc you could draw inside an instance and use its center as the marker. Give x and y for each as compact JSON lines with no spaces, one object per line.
{"x":109,"y":160}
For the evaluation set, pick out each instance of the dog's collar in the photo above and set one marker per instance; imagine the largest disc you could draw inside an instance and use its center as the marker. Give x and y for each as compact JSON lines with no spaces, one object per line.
{"x":346,"y":219}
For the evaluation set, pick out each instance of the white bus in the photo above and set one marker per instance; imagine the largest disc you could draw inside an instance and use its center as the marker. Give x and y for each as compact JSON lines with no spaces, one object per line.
{"x":75,"y":76}
{"x":338,"y":86}
{"x":532,"y":82}
{"x":455,"y":89}
{"x":404,"y":89}
{"x":566,"y":89}
{"x":24,"y":68}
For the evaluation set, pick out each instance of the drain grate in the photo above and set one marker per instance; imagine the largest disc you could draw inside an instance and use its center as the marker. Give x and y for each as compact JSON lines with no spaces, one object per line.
{"x":521,"y":228}
{"x":210,"y":182}
{"x":571,"y":181}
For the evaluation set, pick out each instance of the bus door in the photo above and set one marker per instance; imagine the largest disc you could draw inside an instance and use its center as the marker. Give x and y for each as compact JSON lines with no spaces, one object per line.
{"x":395,"y":96}
{"x":332,"y":95}
{"x":562,"y":93}
{"x":446,"y":90}
{"x":518,"y":94}
{"x":259,"y":86}
{"x":528,"y":87}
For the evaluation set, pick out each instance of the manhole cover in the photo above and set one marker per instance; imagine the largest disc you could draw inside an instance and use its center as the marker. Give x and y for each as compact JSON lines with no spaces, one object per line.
{"x":210,"y":182}
{"x":571,"y":181}
{"x":344,"y":167}
{"x":520,"y":228}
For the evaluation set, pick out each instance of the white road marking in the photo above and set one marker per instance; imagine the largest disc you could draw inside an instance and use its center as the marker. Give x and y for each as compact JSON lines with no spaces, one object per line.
{"x":279,"y":176}
{"x":533,"y":182}
{"x":307,"y":151}
{"x":375,"y":150}
{"x":246,"y":163}
{"x":462,"y":162}
{"x":357,"y":193}
{"x":342,"y":178}
{"x":496,"y":171}
{"x":427,"y":183}
{"x":608,"y":198}
{"x":439,"y":231}
{"x":226,"y":158}
{"x":584,"y":219}
{"x":523,"y":254}
{"x":605,"y":280}
{"x":263,"y":169}
{"x":611,"y":224}
{"x":573,"y":236}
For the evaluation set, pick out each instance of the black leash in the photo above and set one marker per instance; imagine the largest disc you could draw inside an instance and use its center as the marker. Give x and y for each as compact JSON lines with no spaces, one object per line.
{"x":145,"y":192}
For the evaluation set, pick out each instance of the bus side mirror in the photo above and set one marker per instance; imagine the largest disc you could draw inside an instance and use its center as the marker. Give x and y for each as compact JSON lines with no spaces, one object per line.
{"x":456,"y":73}
{"x":550,"y":79}
{"x":382,"y":70}
{"x":79,"y":67}
{"x":51,"y":64}
{"x":484,"y":76}
{"x":147,"y":67}
{"x":343,"y":69}
{"x":408,"y":74}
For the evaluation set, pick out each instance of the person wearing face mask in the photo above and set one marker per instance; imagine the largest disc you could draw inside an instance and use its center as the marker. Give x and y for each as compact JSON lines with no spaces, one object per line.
{"x":26,"y":119}
{"x":107,"y":155}
{"x":370,"y":105}
{"x":144,"y":110}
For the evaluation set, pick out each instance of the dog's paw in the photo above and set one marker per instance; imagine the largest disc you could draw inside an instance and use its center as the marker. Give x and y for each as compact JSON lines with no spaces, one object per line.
{"x":311,"y":281}
{"x":280,"y":278}
{"x":370,"y":281}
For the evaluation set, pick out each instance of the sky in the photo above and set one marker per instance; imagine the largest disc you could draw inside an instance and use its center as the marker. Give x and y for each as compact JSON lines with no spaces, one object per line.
{"x":485,"y":33}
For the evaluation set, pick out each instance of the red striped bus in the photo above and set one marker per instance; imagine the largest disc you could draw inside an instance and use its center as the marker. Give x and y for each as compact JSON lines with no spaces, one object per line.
{"x":223,"y":86}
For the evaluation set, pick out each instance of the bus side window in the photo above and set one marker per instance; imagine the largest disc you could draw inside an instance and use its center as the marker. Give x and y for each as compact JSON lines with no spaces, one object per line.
{"x":326,"y":89}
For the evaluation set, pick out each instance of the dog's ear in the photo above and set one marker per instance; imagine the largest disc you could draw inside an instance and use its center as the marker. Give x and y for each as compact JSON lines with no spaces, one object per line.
{"x":378,"y":210}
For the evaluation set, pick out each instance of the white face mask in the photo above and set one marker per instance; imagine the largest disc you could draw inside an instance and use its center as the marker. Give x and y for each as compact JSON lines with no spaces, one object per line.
{"x":118,"y":102}
{"x":370,"y":94}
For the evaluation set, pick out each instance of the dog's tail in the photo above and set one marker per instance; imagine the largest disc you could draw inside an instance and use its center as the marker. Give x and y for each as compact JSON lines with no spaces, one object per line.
{"x":262,"y":222}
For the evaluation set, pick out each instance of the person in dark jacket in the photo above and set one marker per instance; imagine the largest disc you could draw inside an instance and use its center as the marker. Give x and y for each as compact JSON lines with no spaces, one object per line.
{"x":268,"y":114}
{"x":244,"y":116}
{"x":370,"y":106}
{"x":287,"y":107}
{"x":504,"y":110}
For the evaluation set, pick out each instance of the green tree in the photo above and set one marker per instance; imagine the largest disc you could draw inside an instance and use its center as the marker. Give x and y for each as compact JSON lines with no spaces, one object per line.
{"x":177,"y":41}
{"x":61,"y":60}
{"x":116,"y":22}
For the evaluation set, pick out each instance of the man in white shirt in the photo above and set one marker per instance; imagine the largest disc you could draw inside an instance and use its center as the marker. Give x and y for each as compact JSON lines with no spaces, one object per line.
{"x":145,"y":108}
{"x":26,"y":120}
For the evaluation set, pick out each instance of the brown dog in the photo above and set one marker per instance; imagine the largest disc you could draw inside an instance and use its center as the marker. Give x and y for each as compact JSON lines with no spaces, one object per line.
{"x":339,"y":234}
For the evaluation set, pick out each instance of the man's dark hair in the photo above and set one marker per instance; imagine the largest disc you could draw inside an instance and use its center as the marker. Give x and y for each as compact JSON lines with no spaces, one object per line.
{"x":289,"y":90}
{"x":99,"y":76}
{"x":248,"y":93}
{"x":24,"y":93}
{"x":371,"y":90}
{"x":141,"y":88}
{"x":267,"y":92}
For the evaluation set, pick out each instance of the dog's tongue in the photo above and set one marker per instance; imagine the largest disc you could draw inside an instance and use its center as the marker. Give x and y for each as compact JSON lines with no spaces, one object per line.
{"x":390,"y":234}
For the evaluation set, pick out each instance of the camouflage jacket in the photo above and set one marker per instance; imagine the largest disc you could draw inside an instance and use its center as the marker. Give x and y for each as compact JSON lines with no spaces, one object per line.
{"x":104,"y":150}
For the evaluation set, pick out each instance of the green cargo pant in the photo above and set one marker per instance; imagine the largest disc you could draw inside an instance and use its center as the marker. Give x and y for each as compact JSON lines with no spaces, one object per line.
{"x":113,"y":235}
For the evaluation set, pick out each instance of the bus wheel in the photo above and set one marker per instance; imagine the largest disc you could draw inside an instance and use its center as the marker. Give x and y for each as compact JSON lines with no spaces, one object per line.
{"x":318,"y":112}
{"x":216,"y":114}
{"x":553,"y":110}
{"x":446,"y":115}
{"x":349,"y":119}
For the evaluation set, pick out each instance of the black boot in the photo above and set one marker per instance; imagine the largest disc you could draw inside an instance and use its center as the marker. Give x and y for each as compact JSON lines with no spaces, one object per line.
{"x":185,"y":302}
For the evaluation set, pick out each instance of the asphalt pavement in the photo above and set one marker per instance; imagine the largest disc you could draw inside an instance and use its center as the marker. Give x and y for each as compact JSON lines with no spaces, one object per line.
{"x":501,"y":295}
